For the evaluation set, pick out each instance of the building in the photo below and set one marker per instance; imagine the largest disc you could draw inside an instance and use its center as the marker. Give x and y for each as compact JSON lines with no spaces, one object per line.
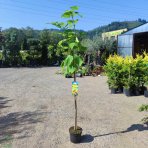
{"x":134,"y":41}
{"x":112,"y":34}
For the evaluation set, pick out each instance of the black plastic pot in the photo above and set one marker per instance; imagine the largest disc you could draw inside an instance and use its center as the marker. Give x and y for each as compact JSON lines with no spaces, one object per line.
{"x":128,"y":92}
{"x":75,"y":135}
{"x":146,"y":93}
{"x":68,"y":76}
{"x":113,"y":90}
{"x":120,"y":90}
{"x":142,"y":89}
{"x":136,"y":91}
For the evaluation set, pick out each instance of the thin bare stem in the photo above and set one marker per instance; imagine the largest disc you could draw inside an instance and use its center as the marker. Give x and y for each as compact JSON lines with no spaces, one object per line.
{"x":75,"y":98}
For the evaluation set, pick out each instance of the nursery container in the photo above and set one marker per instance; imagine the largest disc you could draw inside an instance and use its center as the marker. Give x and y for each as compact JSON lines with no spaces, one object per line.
{"x":128,"y":92}
{"x":75,"y":135}
{"x":146,"y":93}
{"x":113,"y":90}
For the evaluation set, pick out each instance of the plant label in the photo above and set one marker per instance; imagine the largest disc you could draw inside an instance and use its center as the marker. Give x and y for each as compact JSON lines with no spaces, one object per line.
{"x":75,"y":88}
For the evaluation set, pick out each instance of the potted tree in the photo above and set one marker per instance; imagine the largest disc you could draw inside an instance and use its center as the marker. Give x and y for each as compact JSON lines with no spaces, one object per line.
{"x":145,"y":63}
{"x":74,"y":53}
{"x":129,"y":85}
{"x":130,"y":81}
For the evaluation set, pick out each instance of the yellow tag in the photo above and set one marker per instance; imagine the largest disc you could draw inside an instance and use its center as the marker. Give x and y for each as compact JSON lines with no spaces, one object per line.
{"x":75,"y":88}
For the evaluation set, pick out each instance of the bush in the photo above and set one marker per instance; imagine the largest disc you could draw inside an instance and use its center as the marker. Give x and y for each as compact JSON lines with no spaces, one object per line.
{"x":114,"y":71}
{"x":127,"y":72}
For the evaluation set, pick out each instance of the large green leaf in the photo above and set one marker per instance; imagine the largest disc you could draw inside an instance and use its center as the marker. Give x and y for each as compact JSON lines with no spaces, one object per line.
{"x":59,"y":24}
{"x":74,"y":8}
{"x":71,"y":69}
{"x":67,"y":14}
{"x":77,"y":40}
{"x":68,"y":60}
{"x":72,"y":45}
{"x":78,"y":61}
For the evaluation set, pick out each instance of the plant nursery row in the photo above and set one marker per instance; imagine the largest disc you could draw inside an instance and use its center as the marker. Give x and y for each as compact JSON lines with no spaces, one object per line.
{"x":128,"y":75}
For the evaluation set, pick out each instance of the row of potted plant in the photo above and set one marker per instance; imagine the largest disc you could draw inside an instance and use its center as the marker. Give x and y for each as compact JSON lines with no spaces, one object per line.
{"x":128,"y":75}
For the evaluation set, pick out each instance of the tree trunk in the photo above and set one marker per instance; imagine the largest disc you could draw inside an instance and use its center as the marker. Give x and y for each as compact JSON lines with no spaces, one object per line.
{"x":75,"y":101}
{"x":75,"y":97}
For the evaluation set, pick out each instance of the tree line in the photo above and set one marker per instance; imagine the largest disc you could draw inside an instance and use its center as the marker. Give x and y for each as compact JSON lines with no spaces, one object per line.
{"x":29,"y":47}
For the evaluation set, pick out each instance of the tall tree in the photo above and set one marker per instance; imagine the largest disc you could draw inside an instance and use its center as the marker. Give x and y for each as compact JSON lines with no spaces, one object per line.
{"x":34,"y":51}
{"x":44,"y":41}
{"x":13,"y":41}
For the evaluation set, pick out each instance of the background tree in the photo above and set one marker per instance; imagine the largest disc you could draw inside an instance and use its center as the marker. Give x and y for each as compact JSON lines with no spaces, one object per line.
{"x":2,"y":38}
{"x":44,"y":42}
{"x":55,"y":55}
{"x":34,"y":51}
{"x":13,"y":41}
{"x":104,"y":48}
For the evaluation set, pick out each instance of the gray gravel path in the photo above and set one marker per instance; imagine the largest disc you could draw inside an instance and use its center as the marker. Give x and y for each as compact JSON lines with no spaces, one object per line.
{"x":37,"y":109}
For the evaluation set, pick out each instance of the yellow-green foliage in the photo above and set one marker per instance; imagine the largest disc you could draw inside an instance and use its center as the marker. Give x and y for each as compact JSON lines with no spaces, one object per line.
{"x":128,"y":71}
{"x":145,"y":69}
{"x":114,"y":71}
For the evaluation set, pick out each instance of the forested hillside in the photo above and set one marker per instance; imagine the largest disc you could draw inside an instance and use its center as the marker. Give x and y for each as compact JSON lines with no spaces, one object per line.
{"x":115,"y":26}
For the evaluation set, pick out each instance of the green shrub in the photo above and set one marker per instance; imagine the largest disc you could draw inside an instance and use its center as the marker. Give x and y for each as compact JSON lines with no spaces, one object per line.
{"x":127,"y":72}
{"x":114,"y":71}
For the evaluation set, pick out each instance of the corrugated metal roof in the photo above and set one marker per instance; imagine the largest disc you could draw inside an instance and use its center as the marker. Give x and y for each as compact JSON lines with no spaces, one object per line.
{"x":142,"y":28}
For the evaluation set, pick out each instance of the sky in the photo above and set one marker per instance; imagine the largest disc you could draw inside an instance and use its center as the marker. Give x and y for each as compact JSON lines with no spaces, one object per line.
{"x":38,"y":14}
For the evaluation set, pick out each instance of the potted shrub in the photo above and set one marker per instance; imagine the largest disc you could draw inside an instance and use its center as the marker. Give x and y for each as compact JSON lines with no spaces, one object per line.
{"x":114,"y":72}
{"x":128,"y":88}
{"x":74,"y":52}
{"x":145,"y":78}
{"x":112,"y":85}
{"x":140,"y":68}
{"x":130,"y":81}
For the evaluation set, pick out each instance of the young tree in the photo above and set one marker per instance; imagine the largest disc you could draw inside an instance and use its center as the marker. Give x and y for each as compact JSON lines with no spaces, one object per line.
{"x":72,"y":48}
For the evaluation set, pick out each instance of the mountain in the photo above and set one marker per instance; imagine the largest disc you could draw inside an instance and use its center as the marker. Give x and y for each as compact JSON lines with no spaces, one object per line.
{"x":115,"y":26}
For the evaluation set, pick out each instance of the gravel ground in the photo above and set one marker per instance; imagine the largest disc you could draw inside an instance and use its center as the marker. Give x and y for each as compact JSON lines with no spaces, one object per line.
{"x":37,"y":109}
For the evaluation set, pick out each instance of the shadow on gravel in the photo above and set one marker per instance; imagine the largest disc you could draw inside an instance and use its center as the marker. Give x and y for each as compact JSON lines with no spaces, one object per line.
{"x":19,"y":125}
{"x":87,"y":138}
{"x":3,"y":102}
{"x":134,"y":127}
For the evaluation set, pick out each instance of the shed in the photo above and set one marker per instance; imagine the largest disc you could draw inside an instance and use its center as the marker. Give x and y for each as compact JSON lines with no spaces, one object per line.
{"x":134,"y":41}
